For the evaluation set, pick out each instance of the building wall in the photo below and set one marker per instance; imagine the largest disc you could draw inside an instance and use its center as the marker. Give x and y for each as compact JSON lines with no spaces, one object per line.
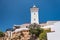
{"x":34,"y":15}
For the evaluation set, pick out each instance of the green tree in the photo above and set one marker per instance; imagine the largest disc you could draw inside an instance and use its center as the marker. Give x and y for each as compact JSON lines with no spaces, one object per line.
{"x":38,"y":32}
{"x":35,"y":30}
{"x":43,"y":35}
{"x":2,"y":34}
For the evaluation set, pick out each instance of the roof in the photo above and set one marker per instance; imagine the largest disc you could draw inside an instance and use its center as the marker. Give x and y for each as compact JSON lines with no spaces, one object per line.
{"x":21,"y":29}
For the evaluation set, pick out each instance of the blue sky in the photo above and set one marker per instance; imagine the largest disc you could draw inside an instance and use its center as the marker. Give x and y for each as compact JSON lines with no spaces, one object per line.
{"x":18,"y":11}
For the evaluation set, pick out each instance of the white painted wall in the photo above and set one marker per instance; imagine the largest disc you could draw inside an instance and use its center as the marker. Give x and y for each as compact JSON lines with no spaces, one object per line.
{"x":55,"y":35}
{"x":34,"y":15}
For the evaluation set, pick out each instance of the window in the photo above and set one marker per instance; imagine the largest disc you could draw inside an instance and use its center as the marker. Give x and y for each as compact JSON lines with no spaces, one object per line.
{"x":34,"y":13}
{"x":26,"y":26}
{"x":34,"y":19}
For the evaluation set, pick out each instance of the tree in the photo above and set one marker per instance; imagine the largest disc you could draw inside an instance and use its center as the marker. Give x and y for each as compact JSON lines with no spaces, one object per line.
{"x":43,"y":35}
{"x":2,"y":35}
{"x":35,"y":30}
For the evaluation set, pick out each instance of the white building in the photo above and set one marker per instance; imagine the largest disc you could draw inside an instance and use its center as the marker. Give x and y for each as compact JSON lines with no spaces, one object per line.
{"x":34,"y":15}
{"x":54,"y":35}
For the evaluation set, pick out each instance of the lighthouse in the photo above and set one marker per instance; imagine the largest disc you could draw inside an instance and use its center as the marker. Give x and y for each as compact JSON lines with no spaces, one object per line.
{"x":34,"y":15}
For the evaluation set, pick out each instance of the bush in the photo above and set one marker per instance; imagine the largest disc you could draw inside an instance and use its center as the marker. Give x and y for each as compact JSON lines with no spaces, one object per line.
{"x":43,"y":36}
{"x":1,"y":34}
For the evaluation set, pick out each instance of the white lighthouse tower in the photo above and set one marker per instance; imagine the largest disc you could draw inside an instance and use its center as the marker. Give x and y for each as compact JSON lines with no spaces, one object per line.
{"x":34,"y":15}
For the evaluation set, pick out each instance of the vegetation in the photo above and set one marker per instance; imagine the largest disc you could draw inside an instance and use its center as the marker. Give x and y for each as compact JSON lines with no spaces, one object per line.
{"x":34,"y":31}
{"x":1,"y":34}
{"x":38,"y":32}
{"x":43,"y":35}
